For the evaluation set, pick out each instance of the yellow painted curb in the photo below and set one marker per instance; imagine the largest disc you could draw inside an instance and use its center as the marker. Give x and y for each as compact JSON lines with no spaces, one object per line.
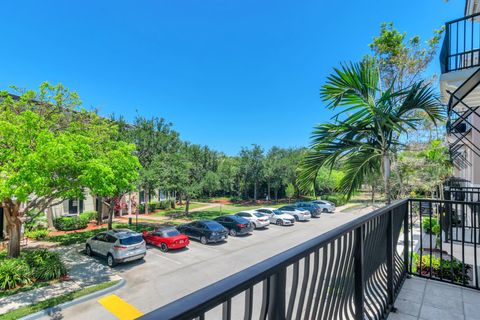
{"x":121,"y":309}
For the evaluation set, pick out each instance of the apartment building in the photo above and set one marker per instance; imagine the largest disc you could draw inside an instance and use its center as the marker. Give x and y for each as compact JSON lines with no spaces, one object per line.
{"x":459,"y":84}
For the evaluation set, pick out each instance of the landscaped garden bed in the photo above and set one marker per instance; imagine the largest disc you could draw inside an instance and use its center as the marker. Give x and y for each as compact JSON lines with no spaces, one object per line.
{"x":32,"y":269}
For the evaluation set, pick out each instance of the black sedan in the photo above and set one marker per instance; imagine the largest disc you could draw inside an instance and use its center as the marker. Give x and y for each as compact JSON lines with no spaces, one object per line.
{"x":205,"y":230}
{"x":236,"y":225}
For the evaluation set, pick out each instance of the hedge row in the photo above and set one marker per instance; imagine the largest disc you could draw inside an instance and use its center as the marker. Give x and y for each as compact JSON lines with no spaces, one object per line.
{"x":74,"y":223}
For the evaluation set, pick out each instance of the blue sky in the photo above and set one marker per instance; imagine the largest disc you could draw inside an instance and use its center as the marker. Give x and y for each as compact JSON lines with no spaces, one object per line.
{"x":226,"y":73}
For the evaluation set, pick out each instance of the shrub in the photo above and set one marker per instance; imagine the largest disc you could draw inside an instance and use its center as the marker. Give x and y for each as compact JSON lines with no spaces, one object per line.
{"x":429,"y":223}
{"x":141,"y":208}
{"x":71,"y":223}
{"x":235,"y":199}
{"x":153,"y":205}
{"x":39,"y":234}
{"x":14,"y":273}
{"x":172,"y":203}
{"x":45,"y":265}
{"x":89,"y":215}
{"x":442,"y":268}
{"x":337,"y":198}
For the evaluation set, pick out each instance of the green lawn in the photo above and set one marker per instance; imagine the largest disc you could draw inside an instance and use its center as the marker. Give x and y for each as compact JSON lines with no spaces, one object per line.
{"x":178,"y":209}
{"x":25,"y":311}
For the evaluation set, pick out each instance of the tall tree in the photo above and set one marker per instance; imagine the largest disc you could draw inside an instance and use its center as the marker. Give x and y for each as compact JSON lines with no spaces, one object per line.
{"x":366,"y":131}
{"x":252,"y":162}
{"x":152,"y":137}
{"x":47,"y":142}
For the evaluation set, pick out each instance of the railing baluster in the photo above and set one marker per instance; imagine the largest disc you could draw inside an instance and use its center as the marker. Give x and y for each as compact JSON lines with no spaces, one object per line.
{"x":265,"y":298}
{"x":359,"y":274}
{"x":303,"y":290}
{"x":276,"y":306}
{"x":248,"y":304}
{"x":313,"y":283}
{"x":227,"y":310}
{"x":405,"y":238}
{"x":293,"y":292}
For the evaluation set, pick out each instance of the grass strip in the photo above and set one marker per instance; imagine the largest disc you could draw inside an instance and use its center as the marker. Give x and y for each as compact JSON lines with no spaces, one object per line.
{"x":45,"y":304}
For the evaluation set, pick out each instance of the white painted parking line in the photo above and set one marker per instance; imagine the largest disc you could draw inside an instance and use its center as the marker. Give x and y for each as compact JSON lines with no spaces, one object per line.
{"x":164,"y":257}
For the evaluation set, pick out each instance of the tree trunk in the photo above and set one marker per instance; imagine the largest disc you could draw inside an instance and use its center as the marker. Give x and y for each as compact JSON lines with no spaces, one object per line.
{"x":12,"y":214}
{"x":14,"y":242}
{"x":110,"y":213}
{"x":373,"y":195}
{"x":187,"y":205}
{"x":50,"y":219}
{"x":147,"y":193}
{"x":386,"y":177}
{"x":268,"y":191}
{"x":276,"y":195}
{"x":255,"y":191}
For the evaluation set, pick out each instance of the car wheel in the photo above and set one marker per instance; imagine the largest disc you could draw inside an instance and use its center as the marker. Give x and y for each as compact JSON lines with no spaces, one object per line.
{"x":88,"y":250}
{"x":164,"y":247}
{"x":110,"y":261}
{"x":203,"y":240}
{"x":296,"y":218}
{"x":279,"y":222}
{"x":324,"y":210}
{"x":233,"y":232}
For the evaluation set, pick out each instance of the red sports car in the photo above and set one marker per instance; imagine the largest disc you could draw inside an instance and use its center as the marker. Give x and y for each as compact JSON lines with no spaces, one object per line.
{"x":166,"y":238}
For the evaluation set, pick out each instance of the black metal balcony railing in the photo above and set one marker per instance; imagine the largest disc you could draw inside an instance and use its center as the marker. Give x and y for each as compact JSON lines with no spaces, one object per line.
{"x":352,"y":272}
{"x":461,"y":46}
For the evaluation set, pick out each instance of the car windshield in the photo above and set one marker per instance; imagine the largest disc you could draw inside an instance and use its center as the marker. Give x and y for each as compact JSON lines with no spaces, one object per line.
{"x":258,"y":214}
{"x":171,"y":233}
{"x":212,"y":225}
{"x":277,"y":212}
{"x":134,"y":239}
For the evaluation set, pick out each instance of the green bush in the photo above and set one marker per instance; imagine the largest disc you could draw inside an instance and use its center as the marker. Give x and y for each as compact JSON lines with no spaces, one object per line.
{"x":172,"y":203}
{"x":429,"y":223}
{"x":45,"y":265}
{"x":442,"y":268}
{"x":153,"y":205}
{"x":235,"y":199}
{"x":141,"y":208}
{"x":71,"y":223}
{"x":39,"y":234}
{"x":14,"y":273}
{"x":89,"y":215}
{"x":337,"y":198}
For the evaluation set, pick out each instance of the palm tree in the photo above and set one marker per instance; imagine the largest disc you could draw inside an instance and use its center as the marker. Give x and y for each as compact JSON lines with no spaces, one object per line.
{"x":368,"y":128}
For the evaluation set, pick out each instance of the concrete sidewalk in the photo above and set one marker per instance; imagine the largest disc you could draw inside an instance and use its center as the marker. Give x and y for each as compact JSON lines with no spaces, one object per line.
{"x":83,"y":271}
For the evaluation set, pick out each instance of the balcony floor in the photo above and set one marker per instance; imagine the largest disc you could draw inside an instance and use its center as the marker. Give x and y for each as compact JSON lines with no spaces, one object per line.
{"x":432,"y":300}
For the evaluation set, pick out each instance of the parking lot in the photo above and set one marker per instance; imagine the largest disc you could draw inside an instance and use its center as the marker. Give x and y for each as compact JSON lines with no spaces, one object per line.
{"x":165,"y":277}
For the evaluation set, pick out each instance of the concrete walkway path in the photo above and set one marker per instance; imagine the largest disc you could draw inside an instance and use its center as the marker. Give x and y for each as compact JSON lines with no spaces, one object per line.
{"x":83,"y":271}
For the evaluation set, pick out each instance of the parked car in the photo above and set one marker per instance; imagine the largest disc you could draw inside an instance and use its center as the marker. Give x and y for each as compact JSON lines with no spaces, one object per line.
{"x":235,"y":225}
{"x":326,"y":206}
{"x":166,"y":238}
{"x":298,"y":214}
{"x":206,"y":231}
{"x":278,"y":217}
{"x":258,"y":219}
{"x":314,"y":209}
{"x":117,"y":245}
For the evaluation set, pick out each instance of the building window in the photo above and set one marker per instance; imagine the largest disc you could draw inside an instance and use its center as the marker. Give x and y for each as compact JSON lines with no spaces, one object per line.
{"x":75,"y":206}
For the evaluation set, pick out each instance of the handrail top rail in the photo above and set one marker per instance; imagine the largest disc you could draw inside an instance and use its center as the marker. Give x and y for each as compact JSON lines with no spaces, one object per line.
{"x":208,"y":297}
{"x":463,"y":18}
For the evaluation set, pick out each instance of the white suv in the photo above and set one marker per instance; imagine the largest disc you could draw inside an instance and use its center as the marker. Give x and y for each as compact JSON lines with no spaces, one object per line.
{"x":118,"y":245}
{"x":326,"y":206}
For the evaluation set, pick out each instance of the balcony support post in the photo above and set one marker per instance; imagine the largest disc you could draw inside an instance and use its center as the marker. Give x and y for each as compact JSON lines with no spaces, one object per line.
{"x":359,"y":274}
{"x":406,"y":244}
